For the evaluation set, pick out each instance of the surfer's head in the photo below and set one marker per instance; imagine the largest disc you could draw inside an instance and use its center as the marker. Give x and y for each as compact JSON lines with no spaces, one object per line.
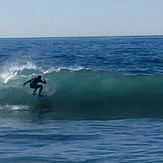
{"x":39,"y":76}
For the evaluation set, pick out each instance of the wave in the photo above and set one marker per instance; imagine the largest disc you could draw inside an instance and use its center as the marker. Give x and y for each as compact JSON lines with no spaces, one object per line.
{"x":82,"y":93}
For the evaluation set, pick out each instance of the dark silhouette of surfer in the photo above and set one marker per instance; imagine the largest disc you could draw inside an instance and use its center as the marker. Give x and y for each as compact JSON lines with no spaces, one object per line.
{"x":34,"y":84}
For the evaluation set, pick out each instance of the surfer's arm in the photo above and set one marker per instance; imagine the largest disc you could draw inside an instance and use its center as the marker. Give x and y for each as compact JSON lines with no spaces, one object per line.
{"x":43,"y":81}
{"x":27,"y":82}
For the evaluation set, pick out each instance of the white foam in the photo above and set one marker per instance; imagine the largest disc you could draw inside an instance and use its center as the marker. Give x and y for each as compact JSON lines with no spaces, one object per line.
{"x":12,"y":71}
{"x":14,"y":107}
{"x":58,"y":69}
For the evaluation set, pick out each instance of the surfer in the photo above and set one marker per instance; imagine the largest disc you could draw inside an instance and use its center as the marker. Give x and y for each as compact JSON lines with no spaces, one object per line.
{"x":34,"y":84}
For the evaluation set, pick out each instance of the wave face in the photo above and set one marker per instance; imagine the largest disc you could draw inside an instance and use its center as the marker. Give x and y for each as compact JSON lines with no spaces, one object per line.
{"x":86,"y":94}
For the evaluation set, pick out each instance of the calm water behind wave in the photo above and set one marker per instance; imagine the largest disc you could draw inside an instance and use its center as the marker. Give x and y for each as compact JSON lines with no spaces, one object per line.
{"x":126,"y":55}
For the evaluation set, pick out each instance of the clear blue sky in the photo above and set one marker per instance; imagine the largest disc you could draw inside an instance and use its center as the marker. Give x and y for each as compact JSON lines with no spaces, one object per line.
{"x":31,"y":18}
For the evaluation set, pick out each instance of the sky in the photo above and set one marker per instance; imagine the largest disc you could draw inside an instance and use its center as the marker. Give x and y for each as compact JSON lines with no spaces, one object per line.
{"x":59,"y":18}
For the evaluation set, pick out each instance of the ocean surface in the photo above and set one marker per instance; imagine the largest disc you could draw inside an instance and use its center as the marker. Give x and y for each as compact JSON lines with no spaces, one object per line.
{"x":103,"y":101}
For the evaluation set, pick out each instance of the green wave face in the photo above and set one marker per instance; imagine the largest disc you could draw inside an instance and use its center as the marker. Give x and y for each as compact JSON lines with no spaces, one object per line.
{"x":86,"y":95}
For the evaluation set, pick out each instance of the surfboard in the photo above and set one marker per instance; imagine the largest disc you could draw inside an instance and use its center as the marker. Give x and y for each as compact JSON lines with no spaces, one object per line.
{"x":43,"y":97}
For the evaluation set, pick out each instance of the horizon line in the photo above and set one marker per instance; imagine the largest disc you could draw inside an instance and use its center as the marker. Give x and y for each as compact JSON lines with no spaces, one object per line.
{"x":86,"y":36}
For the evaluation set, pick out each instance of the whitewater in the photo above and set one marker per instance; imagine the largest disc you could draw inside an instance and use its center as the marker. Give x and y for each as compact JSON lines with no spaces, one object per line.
{"x":103,"y":99}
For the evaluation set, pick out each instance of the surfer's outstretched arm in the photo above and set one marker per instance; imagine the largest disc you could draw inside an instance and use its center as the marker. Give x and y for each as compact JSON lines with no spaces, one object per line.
{"x":27,"y":82}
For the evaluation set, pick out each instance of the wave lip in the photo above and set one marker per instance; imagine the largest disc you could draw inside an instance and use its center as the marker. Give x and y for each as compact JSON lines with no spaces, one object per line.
{"x":62,"y":68}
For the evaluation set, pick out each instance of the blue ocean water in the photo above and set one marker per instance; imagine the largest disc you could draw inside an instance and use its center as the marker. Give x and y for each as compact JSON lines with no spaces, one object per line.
{"x":103,"y":99}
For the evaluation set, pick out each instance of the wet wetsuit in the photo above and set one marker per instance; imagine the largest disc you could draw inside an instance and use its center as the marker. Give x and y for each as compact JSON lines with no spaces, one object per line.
{"x":34,"y":84}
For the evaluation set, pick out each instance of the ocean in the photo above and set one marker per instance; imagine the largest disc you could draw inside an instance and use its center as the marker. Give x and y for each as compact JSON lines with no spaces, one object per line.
{"x":103,"y":100}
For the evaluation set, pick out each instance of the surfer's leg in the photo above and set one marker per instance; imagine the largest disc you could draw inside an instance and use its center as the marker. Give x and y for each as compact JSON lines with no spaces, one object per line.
{"x":35,"y":87}
{"x":34,"y":92}
{"x":41,"y":87}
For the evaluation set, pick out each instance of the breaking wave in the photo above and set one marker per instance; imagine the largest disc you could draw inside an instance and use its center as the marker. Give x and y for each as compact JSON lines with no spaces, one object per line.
{"x":81,"y":93}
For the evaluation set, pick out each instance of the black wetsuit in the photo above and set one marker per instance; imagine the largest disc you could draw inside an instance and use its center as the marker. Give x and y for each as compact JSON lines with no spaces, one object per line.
{"x":34,"y":83}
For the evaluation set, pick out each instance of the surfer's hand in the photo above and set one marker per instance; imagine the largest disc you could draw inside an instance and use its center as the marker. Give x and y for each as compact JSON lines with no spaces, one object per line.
{"x":44,"y":81}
